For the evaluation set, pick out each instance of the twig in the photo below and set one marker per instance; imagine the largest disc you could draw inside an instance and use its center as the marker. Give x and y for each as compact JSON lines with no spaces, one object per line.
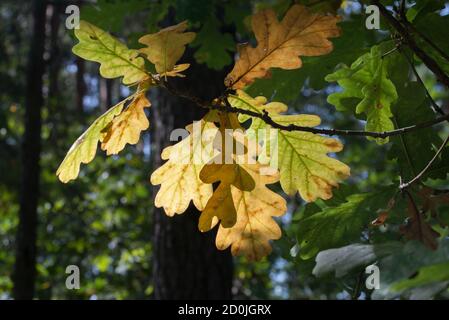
{"x":358,"y":285}
{"x":224,"y":106}
{"x":426,"y":59}
{"x":406,"y":151}
{"x":423,"y":171}
{"x":427,"y":39}
{"x":402,"y":8}
{"x":389,"y":52}
{"x":435,"y":106}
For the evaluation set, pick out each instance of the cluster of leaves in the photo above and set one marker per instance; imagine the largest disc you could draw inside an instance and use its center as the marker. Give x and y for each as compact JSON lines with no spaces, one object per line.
{"x":241,"y":203}
{"x":376,"y":87}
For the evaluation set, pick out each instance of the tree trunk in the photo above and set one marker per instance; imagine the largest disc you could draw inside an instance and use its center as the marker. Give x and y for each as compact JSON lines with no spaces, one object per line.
{"x":25,"y":264}
{"x":80,"y":84}
{"x":187,"y":265}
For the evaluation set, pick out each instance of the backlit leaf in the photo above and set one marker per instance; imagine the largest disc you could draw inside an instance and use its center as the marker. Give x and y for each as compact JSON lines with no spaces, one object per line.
{"x":302,"y":156}
{"x":179,"y":176}
{"x":126,"y":127}
{"x":279,"y":44}
{"x":167,"y":46}
{"x":84,"y":148}
{"x":367,"y":81}
{"x":255,"y":226}
{"x":115,"y":59}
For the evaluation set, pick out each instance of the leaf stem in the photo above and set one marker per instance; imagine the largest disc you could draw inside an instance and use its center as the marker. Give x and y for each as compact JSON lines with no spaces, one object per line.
{"x":423,"y":171}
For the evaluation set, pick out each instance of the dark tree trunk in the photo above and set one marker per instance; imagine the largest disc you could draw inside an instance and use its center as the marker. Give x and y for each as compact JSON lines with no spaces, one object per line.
{"x":187,"y":265}
{"x":105,"y":94}
{"x":80,"y":85}
{"x":25,"y":264}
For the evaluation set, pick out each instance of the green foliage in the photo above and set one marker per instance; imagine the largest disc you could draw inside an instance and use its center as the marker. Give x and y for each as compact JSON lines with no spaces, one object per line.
{"x":432,"y":274}
{"x":345,"y":259}
{"x":111,"y":14}
{"x":334,"y":226}
{"x":214,"y":47}
{"x":366,"y":83}
{"x":404,"y":264}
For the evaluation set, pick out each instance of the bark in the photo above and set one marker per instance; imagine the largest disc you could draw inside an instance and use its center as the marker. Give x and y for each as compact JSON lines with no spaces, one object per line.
{"x":25,"y":264}
{"x":186,"y":263}
{"x":105,"y":94}
{"x":80,"y":84}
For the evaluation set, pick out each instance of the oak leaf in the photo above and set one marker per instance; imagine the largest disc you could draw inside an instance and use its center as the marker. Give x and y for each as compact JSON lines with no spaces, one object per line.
{"x":84,"y":148}
{"x":221,"y":205}
{"x":126,"y":127}
{"x":115,"y":59}
{"x":302,"y":156}
{"x":368,"y":82}
{"x":166,"y":47}
{"x":179,"y":176}
{"x":255,"y":226}
{"x":242,"y":204}
{"x":417,"y":228}
{"x":280,"y":44}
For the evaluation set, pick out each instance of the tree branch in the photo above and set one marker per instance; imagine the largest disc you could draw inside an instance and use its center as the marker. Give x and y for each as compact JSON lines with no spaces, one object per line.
{"x":223,"y":105}
{"x":423,"y":171}
{"x":426,"y":39}
{"x":435,"y":106}
{"x":426,"y":59}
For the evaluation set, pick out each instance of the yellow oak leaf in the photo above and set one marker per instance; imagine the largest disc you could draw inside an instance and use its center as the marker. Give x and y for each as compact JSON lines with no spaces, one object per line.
{"x":301,"y":156}
{"x":176,"y":72}
{"x":221,"y":206}
{"x":84,"y":148}
{"x":255,"y":226}
{"x":224,"y":169}
{"x":166,"y":47}
{"x":126,"y":127}
{"x":279,"y":44}
{"x":179,"y":176}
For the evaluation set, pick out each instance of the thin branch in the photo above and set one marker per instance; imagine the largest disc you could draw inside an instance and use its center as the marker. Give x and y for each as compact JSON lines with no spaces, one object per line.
{"x":427,"y":39}
{"x":423,"y":171}
{"x":402,"y":8}
{"x":435,"y":106}
{"x":426,"y":59}
{"x":389,"y":52}
{"x":406,"y":151}
{"x":358,"y":285}
{"x":224,"y":106}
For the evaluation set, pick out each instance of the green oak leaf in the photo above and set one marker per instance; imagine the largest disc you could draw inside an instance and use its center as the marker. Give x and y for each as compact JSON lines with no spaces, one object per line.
{"x":339,"y":225}
{"x":367,"y":80}
{"x":427,"y":275}
{"x":414,"y":150}
{"x":115,"y":59}
{"x":434,"y":27}
{"x":214,"y":47}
